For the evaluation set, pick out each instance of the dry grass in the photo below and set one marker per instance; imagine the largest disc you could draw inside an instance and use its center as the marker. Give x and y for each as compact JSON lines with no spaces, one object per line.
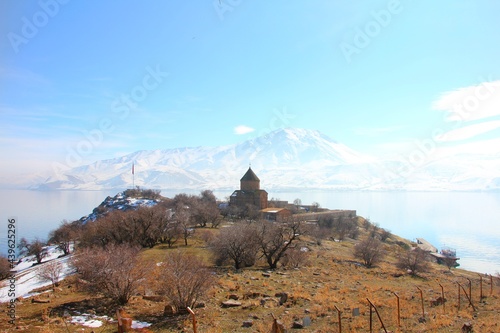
{"x":332,"y":279}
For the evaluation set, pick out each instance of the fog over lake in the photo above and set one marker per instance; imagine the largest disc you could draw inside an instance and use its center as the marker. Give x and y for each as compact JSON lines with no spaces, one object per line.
{"x":465,"y":221}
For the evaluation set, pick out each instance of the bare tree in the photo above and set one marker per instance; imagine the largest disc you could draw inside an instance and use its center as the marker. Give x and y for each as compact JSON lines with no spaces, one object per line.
{"x":275,"y":238}
{"x":315,"y":206}
{"x":116,"y":271}
{"x":414,"y":260}
{"x":51,"y":271}
{"x":206,"y":210}
{"x":370,"y":250}
{"x":36,"y":248}
{"x":64,"y":236}
{"x":4,"y":267}
{"x":236,"y":243}
{"x":297,"y":203}
{"x":184,"y":279}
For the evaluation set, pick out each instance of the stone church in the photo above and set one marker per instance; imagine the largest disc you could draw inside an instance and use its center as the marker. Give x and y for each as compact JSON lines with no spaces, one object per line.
{"x":249,"y":192}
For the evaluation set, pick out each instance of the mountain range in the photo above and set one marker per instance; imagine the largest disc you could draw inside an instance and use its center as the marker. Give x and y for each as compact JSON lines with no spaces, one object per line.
{"x":283,"y":159}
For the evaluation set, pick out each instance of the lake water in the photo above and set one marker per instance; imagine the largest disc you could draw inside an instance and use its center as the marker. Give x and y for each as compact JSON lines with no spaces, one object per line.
{"x":466,"y":221}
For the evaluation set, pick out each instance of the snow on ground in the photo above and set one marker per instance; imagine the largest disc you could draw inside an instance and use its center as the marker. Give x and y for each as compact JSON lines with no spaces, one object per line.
{"x":27,"y":278}
{"x":89,"y":320}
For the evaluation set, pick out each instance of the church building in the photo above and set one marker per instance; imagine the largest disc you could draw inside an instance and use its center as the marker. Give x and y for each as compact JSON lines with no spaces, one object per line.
{"x":249,"y":192}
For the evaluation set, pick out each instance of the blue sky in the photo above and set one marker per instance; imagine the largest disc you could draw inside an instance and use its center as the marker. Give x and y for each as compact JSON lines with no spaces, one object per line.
{"x":107,"y":78}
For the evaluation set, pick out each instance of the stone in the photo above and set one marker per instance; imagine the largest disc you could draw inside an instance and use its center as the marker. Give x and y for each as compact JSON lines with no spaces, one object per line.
{"x":467,"y":328}
{"x":247,"y":323}
{"x":169,"y":310}
{"x":231,"y":303}
{"x":266,"y":274}
{"x":233,"y":296}
{"x":306,"y":321}
{"x":297,"y":324}
{"x":283,"y":297}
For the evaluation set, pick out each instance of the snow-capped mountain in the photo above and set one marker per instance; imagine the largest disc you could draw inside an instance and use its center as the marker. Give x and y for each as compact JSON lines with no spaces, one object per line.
{"x":283,"y":159}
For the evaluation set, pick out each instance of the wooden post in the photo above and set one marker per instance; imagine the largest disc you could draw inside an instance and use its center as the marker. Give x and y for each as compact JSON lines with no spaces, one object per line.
{"x":491,"y":285}
{"x":458,"y":307}
{"x":470,"y":300}
{"x":470,"y":290}
{"x":194,"y":318}
{"x":480,"y":287}
{"x":399,"y":313}
{"x":442,"y":296}
{"x":340,"y":318}
{"x":422,"y":301}
{"x":378,"y":315}
{"x":371,"y":314}
{"x":124,"y":323}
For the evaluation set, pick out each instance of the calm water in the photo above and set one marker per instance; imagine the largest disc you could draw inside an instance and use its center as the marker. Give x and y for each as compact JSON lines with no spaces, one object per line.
{"x":466,"y":221}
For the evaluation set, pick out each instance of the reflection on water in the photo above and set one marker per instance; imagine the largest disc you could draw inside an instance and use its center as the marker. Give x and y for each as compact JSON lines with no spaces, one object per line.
{"x":465,"y":221}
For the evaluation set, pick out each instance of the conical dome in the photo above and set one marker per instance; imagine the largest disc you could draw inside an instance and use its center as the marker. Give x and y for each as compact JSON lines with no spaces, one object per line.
{"x":249,"y":181}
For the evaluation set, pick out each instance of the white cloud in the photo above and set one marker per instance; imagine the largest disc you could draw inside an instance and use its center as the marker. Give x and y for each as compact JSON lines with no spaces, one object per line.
{"x":242,"y":129}
{"x":470,"y":103}
{"x":469,"y":131}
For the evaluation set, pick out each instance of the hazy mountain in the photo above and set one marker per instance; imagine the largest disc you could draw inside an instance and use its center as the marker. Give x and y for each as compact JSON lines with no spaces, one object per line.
{"x":284,"y":159}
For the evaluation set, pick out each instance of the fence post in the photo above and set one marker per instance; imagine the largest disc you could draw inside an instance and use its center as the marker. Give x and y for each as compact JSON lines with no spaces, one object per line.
{"x":491,"y":285}
{"x":378,"y":315}
{"x":399,"y":313}
{"x":480,"y":288}
{"x":442,"y":296}
{"x":194,"y":318}
{"x":422,"y":301}
{"x":340,"y":318}
{"x":458,"y":307}
{"x":470,"y":290}
{"x":371,"y":314}
{"x":470,"y":300}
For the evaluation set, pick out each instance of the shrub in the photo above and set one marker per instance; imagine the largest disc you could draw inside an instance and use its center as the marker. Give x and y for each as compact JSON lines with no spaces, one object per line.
{"x":236,"y":243}
{"x":370,"y":251}
{"x":184,"y":279}
{"x":4,"y":267}
{"x":114,"y":271}
{"x":414,"y":260}
{"x":51,"y":271}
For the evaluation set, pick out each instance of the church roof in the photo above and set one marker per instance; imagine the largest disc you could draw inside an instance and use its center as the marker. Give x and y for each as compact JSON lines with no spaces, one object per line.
{"x":250,"y":176}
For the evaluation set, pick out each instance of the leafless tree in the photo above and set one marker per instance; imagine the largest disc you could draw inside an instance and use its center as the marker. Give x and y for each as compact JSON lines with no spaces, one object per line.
{"x":236,"y":243}
{"x":206,"y":211}
{"x":315,"y":206}
{"x":4,"y":267}
{"x":115,"y":271}
{"x":370,"y":250}
{"x":275,"y":238}
{"x":36,"y":248}
{"x":184,"y":279}
{"x":64,"y":235}
{"x":414,"y":260}
{"x":51,"y":271}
